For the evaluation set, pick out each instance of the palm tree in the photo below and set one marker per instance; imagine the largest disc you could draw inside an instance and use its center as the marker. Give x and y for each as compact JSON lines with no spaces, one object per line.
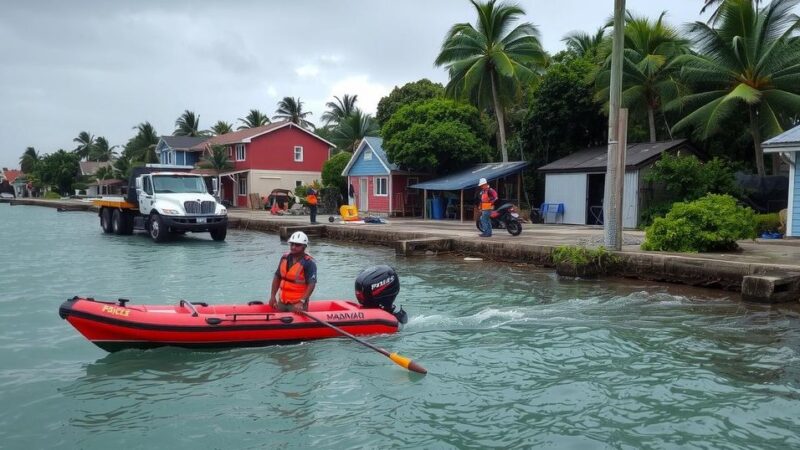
{"x":28,"y":160}
{"x":104,"y":173}
{"x":253,"y":119}
{"x":340,"y":109}
{"x":85,"y":142}
{"x":102,"y":151}
{"x":487,"y":64}
{"x":585,"y":44}
{"x":221,"y":127}
{"x":141,"y":148}
{"x":718,"y":3}
{"x":188,"y":124}
{"x":750,"y":61}
{"x":291,"y":109}
{"x":650,"y":73}
{"x":216,"y":158}
{"x":352,"y":129}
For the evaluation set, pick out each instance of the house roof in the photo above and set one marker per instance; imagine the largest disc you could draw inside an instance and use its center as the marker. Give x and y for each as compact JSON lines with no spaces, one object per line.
{"x":12,"y":174}
{"x":109,"y":182}
{"x":90,"y":167}
{"x":593,"y":159}
{"x":789,"y":138}
{"x":376,"y":145}
{"x":469,"y":178}
{"x":247,"y":136}
{"x":183,"y":142}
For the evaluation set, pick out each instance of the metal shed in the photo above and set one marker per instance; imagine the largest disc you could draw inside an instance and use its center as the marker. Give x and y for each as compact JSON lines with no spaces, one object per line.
{"x":578,"y":181}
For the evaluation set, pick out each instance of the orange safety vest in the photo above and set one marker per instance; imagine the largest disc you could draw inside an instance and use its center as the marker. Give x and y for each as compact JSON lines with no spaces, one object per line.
{"x":487,"y":201}
{"x":293,"y":280}
{"x":311,"y":199}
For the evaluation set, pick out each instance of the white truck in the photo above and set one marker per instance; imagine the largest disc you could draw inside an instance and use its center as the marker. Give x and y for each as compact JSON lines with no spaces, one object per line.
{"x":164,"y":201}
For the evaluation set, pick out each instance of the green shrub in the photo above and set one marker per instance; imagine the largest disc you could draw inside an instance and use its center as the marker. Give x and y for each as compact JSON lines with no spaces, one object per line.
{"x":582,"y":256}
{"x":52,"y":195}
{"x":711,"y":223}
{"x":767,"y":222}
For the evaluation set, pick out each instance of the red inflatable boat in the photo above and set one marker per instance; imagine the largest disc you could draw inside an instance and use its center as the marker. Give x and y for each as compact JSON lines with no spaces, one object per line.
{"x":115,"y":326}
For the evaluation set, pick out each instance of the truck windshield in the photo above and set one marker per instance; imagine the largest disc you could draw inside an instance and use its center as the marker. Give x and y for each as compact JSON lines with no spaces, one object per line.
{"x":177,"y":184}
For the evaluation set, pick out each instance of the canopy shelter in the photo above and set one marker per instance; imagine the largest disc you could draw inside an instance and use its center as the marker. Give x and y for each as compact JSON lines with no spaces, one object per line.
{"x":468,"y":180}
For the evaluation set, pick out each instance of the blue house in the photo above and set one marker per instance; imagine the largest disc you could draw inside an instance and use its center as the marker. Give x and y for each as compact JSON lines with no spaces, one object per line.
{"x":175,"y":150}
{"x":379,"y":187}
{"x":787,"y":144}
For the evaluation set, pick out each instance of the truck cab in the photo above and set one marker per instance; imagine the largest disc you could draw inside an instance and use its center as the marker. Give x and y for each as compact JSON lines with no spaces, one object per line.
{"x":175,"y":202}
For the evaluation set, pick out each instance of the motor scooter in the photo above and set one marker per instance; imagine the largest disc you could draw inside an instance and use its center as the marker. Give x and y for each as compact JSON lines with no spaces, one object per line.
{"x":505,"y":216}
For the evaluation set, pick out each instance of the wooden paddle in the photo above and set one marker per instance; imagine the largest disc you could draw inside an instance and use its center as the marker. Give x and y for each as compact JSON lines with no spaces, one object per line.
{"x":398,"y":359}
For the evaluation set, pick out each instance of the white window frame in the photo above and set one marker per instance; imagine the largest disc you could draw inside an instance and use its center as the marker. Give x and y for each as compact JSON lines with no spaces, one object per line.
{"x":298,"y":147}
{"x":230,"y":151}
{"x":243,"y":155}
{"x":367,"y":155}
{"x":241,"y":186}
{"x":376,"y":184}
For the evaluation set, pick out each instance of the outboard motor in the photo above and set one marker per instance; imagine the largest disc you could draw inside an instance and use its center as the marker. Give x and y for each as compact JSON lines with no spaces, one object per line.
{"x":377,"y":287}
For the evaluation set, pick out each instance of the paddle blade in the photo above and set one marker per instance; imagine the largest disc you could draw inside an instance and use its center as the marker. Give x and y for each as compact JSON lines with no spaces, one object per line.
{"x":407,"y":363}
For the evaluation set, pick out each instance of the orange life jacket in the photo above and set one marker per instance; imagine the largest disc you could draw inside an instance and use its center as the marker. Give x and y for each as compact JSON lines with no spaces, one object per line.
{"x":311,"y":199}
{"x":293,"y":280}
{"x":488,"y":197}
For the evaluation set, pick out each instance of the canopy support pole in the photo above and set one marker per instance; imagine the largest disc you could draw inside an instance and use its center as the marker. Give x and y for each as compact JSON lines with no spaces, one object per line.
{"x":425,"y":205}
{"x":462,"y":205}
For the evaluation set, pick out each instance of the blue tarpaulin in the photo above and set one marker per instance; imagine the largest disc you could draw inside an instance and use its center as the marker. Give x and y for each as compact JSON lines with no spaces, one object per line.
{"x":469,"y":178}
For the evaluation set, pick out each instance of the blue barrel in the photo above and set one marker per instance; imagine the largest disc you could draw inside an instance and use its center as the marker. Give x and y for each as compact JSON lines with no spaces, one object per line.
{"x":437,"y":210}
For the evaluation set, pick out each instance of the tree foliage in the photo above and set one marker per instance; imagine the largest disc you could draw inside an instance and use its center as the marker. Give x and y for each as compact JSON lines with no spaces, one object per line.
{"x":188,"y":124}
{"x":749,"y":62}
{"x":221,"y":127}
{"x":340,"y":109}
{"x":291,"y":109}
{"x":409,"y":93}
{"x":59,"y":170}
{"x":253,"y":119}
{"x":563,"y":116}
{"x":140,"y":149}
{"x":332,"y":172}
{"x":435,"y":136}
{"x":28,"y":160}
{"x":348,"y":133}
{"x":488,"y":63}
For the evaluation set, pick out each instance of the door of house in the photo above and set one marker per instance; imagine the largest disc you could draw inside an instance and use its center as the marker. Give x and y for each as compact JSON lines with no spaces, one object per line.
{"x":363,"y":194}
{"x":595,"y":190}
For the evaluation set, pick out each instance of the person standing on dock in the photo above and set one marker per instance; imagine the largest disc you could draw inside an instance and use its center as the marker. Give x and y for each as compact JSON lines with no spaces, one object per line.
{"x":487,"y":198}
{"x":311,"y":199}
{"x":296,"y":277}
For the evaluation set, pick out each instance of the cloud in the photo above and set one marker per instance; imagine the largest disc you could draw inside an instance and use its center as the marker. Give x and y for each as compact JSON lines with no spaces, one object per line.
{"x":307,"y":71}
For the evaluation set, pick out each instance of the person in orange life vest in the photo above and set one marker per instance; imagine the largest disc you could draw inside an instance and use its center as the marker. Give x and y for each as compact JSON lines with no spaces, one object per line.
{"x":487,"y":198}
{"x":311,"y":198}
{"x":296,"y":277}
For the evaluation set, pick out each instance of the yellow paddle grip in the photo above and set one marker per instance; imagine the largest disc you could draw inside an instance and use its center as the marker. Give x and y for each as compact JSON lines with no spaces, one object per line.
{"x":400,"y":360}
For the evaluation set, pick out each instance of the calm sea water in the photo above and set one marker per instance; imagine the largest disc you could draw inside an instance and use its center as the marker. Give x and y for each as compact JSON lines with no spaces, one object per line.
{"x":517,"y":357}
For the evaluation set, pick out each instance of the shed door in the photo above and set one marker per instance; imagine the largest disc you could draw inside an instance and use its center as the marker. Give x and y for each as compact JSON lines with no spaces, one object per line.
{"x":363,"y":194}
{"x":630,"y":200}
{"x":569,"y":189}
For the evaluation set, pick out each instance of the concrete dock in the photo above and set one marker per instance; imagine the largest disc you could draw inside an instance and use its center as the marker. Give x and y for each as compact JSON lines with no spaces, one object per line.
{"x":765,"y":270}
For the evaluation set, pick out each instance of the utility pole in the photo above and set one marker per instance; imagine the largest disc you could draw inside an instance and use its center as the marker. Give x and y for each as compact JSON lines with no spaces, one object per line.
{"x":612,"y":206}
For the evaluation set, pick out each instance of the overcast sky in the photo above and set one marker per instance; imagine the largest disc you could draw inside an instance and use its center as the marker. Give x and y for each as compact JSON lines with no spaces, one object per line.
{"x":105,"y":66}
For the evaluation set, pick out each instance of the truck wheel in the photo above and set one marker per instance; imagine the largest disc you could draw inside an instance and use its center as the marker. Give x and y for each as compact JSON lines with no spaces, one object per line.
{"x":218,"y":234}
{"x":105,"y":220}
{"x":158,"y":231}
{"x":116,"y":221}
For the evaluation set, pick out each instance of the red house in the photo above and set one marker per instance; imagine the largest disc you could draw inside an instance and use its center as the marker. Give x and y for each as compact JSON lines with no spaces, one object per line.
{"x":279,"y":155}
{"x":378,"y":186}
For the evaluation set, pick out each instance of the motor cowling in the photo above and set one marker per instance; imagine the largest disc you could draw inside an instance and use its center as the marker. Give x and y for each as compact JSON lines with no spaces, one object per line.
{"x":377,"y":287}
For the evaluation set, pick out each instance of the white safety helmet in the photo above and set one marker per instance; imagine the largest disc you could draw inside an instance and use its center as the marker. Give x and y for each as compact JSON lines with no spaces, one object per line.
{"x":482,"y":181}
{"x":298,"y":238}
